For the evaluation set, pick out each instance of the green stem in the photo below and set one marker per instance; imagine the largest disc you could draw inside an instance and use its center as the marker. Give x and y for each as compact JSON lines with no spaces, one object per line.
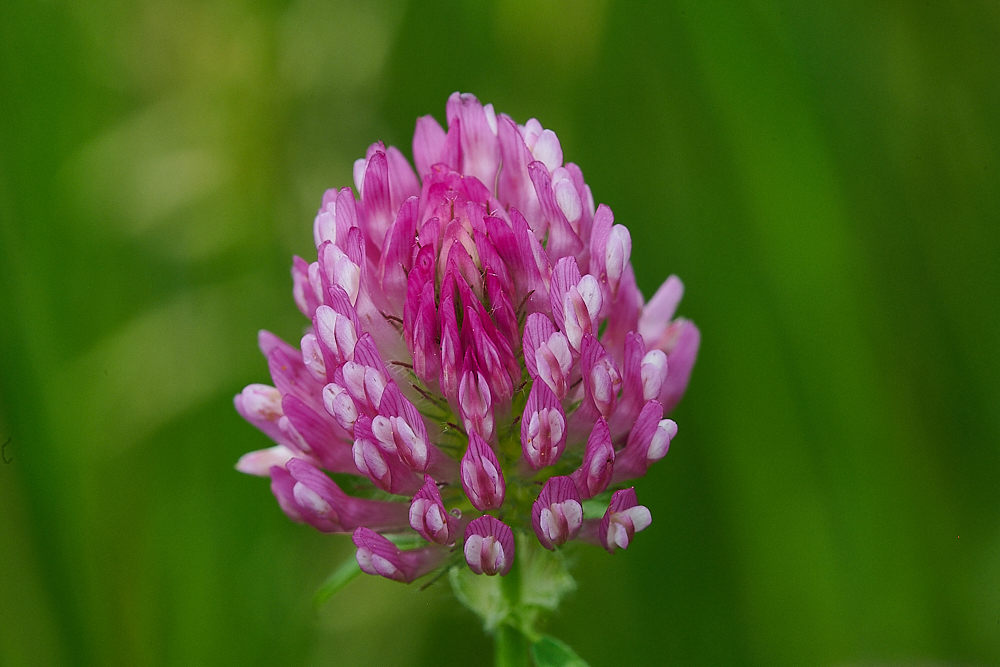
{"x":511,"y":647}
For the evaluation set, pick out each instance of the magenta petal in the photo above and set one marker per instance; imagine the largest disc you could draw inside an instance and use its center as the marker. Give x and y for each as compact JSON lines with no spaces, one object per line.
{"x":375,"y":199}
{"x":600,"y":232}
{"x":403,"y":425}
{"x":514,"y":186}
{"x":524,"y":258}
{"x":397,"y":254}
{"x":367,"y":354}
{"x":623,"y":316}
{"x":488,"y":354}
{"x":656,"y":314}
{"x":557,"y":514}
{"x":451,"y":345}
{"x":403,"y":183}
{"x":424,"y":339}
{"x":506,"y":319}
{"x":428,"y":144}
{"x":315,"y":500}
{"x":480,"y":148}
{"x":347,"y":216}
{"x":489,"y":546}
{"x":420,"y":275}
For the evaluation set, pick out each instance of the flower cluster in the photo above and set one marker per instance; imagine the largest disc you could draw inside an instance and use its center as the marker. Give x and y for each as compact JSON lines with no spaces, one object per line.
{"x":479,"y":361}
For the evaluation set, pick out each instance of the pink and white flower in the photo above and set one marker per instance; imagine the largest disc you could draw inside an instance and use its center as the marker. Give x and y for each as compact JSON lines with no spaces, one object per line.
{"x":472,"y":324}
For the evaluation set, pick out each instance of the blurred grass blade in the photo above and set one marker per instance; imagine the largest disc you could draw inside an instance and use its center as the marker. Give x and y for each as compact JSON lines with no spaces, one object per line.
{"x":550,"y":652}
{"x":340,"y":577}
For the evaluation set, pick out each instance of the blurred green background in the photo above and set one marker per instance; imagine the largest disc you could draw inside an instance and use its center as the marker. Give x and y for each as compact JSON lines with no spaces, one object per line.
{"x":825,"y":177}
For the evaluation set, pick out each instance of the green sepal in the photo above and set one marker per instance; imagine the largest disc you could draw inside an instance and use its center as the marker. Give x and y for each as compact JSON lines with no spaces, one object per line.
{"x":481,"y":594}
{"x":545,"y":577}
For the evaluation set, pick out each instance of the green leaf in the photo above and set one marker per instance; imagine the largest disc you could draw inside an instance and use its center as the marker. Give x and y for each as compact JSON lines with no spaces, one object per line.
{"x":550,"y":652}
{"x":342,"y":576}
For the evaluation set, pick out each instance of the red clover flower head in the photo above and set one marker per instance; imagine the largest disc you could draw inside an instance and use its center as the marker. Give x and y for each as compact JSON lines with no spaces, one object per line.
{"x":479,"y":356}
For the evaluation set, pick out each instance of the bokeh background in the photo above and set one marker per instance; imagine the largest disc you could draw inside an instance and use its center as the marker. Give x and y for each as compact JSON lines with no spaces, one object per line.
{"x":825,"y":177}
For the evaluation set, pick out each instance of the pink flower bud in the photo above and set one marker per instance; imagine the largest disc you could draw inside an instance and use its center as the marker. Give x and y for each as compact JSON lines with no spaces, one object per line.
{"x":554,"y":361}
{"x":337,"y":335}
{"x":489,"y":546}
{"x":377,"y":555}
{"x":581,"y":306}
{"x":543,"y":427}
{"x":424,"y":334}
{"x":325,"y":223}
{"x":259,"y":403}
{"x":385,"y":469}
{"x":547,"y":149}
{"x":594,"y":475}
{"x":547,"y":354}
{"x":647,"y":443}
{"x":365,"y":384}
{"x":482,"y":479}
{"x":320,"y":499}
{"x":260,"y":462}
{"x":601,"y":379}
{"x":616,"y":255}
{"x":475,"y":403}
{"x":312,"y":357}
{"x":625,"y":517}
{"x":338,"y":402}
{"x":653,"y":373}
{"x":567,"y":198}
{"x":303,"y":290}
{"x":338,"y":269}
{"x":429,"y":517}
{"x":557,"y":514}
